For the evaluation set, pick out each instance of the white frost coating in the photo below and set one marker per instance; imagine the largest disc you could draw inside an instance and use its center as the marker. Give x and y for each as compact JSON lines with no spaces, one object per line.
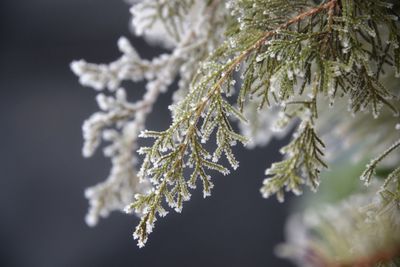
{"x":116,"y":192}
{"x":140,"y":25}
{"x":161,"y":33}
{"x":263,"y":126}
{"x":119,"y":122}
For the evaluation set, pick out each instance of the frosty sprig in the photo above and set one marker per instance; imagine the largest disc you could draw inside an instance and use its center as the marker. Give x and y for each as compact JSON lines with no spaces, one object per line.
{"x":181,"y":147}
{"x":371,"y":167}
{"x":119,"y":121}
{"x":302,"y":164}
{"x":287,"y":60}
{"x":166,"y":160}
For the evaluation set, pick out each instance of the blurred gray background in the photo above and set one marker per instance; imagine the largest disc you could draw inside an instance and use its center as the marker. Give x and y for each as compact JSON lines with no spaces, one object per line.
{"x":43,"y":174}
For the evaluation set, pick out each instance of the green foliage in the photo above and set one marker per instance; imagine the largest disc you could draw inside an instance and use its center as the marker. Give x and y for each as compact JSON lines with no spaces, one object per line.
{"x":302,"y":164}
{"x":371,"y":167}
{"x":265,"y":15}
{"x":289,"y":53}
{"x":180,"y":148}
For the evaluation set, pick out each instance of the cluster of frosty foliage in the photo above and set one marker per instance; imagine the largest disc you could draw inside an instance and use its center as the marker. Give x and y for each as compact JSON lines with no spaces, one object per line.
{"x":189,"y":32}
{"x":293,"y":66}
{"x":353,"y":232}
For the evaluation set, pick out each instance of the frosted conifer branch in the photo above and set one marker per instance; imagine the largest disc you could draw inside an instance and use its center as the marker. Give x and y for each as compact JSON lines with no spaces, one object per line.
{"x":166,"y":161}
{"x":128,"y":119}
{"x":371,"y":167}
{"x":302,"y":164}
{"x":286,"y":63}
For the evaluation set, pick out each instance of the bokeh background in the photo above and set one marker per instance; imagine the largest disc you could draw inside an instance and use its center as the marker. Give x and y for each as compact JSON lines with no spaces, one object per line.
{"x":43,"y":174}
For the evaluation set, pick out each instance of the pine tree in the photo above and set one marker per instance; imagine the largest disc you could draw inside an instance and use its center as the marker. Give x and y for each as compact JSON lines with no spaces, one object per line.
{"x":324,"y":71}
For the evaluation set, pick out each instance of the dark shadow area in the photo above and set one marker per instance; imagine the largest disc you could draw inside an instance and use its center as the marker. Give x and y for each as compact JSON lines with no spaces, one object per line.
{"x":43,"y":174}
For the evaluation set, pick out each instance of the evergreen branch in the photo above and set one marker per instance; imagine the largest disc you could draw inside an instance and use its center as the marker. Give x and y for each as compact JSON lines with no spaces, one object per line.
{"x":302,"y":164}
{"x":366,"y":176}
{"x":291,"y":57}
{"x":166,"y":169}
